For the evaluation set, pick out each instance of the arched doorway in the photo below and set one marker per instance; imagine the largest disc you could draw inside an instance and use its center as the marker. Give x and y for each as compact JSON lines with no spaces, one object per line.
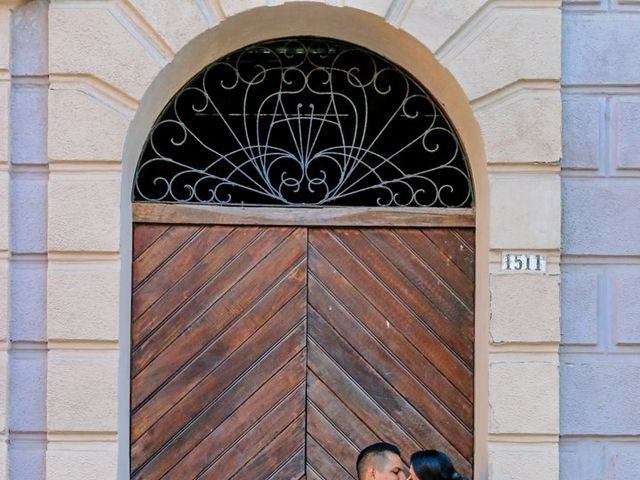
{"x":303,"y":277}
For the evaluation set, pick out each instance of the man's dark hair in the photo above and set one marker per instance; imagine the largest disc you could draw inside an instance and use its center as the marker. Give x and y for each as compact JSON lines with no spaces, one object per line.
{"x":368,"y":453}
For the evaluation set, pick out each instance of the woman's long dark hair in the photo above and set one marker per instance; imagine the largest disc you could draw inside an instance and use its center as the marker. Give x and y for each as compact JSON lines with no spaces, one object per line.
{"x":434,"y":465}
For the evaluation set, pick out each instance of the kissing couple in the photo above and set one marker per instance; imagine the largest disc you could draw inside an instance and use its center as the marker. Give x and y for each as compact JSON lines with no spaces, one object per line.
{"x":382,"y":461}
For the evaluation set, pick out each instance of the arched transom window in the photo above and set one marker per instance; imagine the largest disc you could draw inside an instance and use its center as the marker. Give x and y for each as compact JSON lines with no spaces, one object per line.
{"x":303,"y":122}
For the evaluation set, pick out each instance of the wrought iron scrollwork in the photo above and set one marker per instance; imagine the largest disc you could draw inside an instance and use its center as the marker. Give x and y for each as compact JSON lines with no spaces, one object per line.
{"x":303,"y":122}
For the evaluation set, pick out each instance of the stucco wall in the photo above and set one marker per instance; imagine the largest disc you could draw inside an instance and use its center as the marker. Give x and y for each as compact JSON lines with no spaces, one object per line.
{"x":27,"y":306}
{"x":600,"y":361}
{"x":83,"y":75}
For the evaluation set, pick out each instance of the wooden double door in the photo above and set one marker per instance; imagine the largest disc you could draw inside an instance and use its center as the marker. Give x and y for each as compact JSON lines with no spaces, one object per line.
{"x":278,"y":352}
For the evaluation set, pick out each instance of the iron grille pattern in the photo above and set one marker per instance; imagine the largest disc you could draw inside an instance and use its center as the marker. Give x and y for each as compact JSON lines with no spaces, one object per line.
{"x":303,"y":122}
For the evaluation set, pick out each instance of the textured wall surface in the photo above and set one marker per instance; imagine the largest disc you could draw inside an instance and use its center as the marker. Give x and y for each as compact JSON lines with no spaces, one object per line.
{"x":600,"y":353}
{"x":80,"y":77}
{"x":27,"y":368}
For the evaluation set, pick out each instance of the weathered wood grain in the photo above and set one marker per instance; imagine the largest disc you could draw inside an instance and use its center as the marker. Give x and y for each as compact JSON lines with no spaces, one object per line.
{"x":329,"y":216}
{"x":372,"y":342}
{"x":218,"y":383}
{"x":275,"y":352}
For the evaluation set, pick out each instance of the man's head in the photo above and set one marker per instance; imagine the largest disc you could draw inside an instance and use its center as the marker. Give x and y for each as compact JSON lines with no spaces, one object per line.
{"x":380,"y":461}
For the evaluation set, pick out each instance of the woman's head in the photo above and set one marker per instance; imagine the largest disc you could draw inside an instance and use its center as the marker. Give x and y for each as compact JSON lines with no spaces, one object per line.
{"x":432,"y":465}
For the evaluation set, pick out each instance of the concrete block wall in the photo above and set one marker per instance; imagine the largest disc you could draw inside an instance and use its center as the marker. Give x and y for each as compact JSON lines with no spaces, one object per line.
{"x":600,"y":352}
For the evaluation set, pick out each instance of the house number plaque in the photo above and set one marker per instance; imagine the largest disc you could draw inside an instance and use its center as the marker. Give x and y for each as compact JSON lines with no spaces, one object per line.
{"x":523,"y":262}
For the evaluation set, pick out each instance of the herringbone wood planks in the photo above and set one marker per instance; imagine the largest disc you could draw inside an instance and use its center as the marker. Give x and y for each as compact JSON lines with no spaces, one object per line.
{"x":279,"y":353}
{"x":218,"y":369}
{"x":390,"y":346}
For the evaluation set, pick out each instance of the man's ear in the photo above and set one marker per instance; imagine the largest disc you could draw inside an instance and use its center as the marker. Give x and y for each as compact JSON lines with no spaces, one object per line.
{"x":371,"y":473}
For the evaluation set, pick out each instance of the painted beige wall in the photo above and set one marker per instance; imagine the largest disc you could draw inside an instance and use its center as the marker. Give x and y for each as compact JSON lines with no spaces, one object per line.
{"x":494,"y":66}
